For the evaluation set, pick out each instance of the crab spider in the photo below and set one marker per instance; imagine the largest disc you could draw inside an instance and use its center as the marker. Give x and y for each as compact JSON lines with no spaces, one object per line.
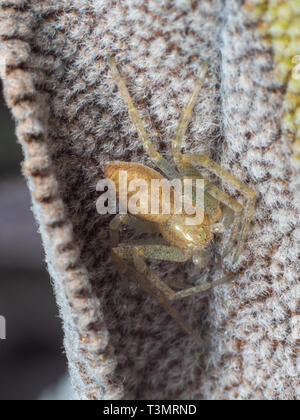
{"x":172,"y":239}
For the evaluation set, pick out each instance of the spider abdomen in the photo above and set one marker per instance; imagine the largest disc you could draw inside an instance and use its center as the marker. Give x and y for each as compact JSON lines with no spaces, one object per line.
{"x":130,"y":175}
{"x":175,"y":228}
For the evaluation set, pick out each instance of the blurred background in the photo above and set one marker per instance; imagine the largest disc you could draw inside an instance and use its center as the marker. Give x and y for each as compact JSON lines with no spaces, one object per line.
{"x":32,"y":360}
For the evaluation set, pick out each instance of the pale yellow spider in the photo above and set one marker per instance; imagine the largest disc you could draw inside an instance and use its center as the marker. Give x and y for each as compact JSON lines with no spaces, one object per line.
{"x":173,"y":239}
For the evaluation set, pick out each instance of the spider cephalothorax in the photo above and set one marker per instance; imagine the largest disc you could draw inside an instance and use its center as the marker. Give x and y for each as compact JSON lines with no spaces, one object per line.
{"x":172,"y":239}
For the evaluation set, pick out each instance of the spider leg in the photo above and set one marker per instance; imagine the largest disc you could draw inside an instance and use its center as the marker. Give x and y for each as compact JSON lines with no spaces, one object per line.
{"x":167,"y":253}
{"x":226,"y":176}
{"x":148,"y":281}
{"x":237,"y":209}
{"x":157,"y":252}
{"x":129,"y":220}
{"x":203,"y":287}
{"x":184,"y":120}
{"x":154,"y":155}
{"x":212,"y":197}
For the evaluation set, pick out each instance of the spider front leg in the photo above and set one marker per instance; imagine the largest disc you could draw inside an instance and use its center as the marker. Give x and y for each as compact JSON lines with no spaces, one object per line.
{"x":206,"y":162}
{"x":185,"y":117}
{"x":154,"y":155}
{"x":212,"y":194}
